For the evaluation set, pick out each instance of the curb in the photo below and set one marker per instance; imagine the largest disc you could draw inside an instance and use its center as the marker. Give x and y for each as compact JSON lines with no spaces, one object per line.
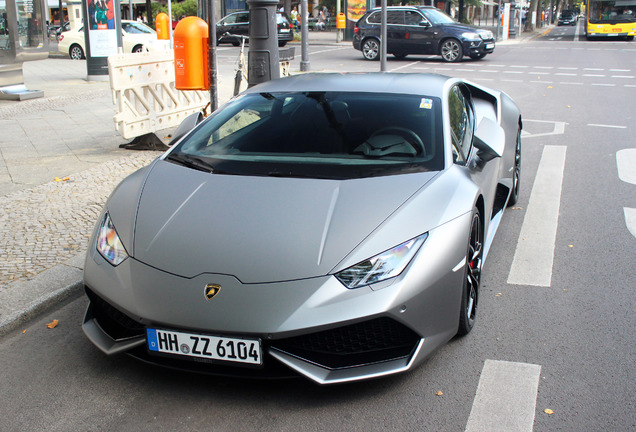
{"x":24,"y":300}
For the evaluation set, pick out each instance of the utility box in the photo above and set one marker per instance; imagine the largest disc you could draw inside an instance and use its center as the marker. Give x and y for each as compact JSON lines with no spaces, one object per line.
{"x":191,"y":54}
{"x":162,"y":21}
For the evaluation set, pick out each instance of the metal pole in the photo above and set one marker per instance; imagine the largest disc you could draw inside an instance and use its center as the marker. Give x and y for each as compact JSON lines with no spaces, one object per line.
{"x":130,"y":10}
{"x":338,"y":31}
{"x":170,"y":23}
{"x":214,"y":101}
{"x":383,"y":37}
{"x":304,"y":34}
{"x":263,"y":59}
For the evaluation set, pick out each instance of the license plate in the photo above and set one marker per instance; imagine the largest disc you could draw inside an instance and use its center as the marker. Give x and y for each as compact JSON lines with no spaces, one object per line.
{"x":284,"y":30}
{"x":205,"y":346}
{"x":490,"y":45}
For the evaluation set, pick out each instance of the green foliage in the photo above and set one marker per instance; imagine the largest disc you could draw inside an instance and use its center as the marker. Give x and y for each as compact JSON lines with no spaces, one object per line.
{"x":179,"y":9}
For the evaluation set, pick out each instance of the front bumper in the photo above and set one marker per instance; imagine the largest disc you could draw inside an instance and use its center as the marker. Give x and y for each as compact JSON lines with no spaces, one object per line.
{"x":480,"y":47}
{"x":313,"y":327}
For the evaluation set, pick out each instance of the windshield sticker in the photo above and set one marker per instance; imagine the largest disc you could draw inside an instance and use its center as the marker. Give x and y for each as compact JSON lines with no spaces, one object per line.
{"x":426,"y":103}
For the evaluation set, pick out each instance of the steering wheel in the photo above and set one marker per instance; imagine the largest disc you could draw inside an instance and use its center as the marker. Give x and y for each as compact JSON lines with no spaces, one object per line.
{"x":415,"y":141}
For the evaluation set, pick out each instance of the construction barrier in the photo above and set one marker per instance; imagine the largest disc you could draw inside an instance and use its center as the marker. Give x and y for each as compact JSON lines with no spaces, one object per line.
{"x":144,"y":93}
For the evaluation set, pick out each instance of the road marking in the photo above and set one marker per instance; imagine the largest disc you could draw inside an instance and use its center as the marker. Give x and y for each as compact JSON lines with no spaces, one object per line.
{"x":541,"y":82}
{"x":571,"y":83}
{"x":521,"y":67}
{"x":567,"y":68}
{"x":604,"y":85}
{"x":626,"y":164}
{"x":506,"y":397}
{"x":565,"y":74}
{"x":534,"y":256}
{"x":630,"y":219}
{"x":622,"y":76}
{"x":620,"y":70}
{"x":594,"y":75}
{"x":607,"y":126}
{"x":543,"y":67}
{"x":513,"y":72}
{"x":406,"y":66}
{"x":630,"y":85}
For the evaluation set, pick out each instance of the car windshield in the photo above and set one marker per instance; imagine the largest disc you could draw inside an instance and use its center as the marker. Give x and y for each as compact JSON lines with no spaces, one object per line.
{"x":335,"y":135}
{"x":436,"y":16}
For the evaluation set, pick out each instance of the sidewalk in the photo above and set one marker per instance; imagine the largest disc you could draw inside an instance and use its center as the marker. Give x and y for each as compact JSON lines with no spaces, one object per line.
{"x":68,"y":134}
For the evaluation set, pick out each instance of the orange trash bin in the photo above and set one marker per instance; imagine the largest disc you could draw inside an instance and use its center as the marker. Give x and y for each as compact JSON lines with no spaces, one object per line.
{"x":162,"y":21}
{"x":191,"y":58}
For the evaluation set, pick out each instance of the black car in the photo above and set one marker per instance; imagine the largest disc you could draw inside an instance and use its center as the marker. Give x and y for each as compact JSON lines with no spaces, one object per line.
{"x":238,"y":23}
{"x":567,"y":18}
{"x":421,"y":30}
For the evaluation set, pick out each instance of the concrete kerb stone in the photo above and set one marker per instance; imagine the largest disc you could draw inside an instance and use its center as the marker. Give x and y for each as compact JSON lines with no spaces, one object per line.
{"x":23,"y":300}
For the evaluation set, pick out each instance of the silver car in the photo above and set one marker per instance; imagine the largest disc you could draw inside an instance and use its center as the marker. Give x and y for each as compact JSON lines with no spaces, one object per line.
{"x":332,"y":226}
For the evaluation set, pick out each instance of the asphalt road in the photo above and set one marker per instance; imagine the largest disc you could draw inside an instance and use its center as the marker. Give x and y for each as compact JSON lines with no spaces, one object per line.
{"x":577,"y":100}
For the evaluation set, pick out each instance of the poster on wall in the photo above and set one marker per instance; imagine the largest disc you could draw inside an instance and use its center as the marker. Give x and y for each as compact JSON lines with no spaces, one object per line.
{"x":101,"y":31}
{"x":355,"y":9}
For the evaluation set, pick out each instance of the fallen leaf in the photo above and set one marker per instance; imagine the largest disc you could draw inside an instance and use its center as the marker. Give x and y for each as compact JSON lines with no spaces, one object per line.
{"x":570,"y":245}
{"x":548,"y":411}
{"x":550,"y":87}
{"x":439,"y":393}
{"x":57,"y":179}
{"x":53,"y":324}
{"x":517,"y":208}
{"x":24,"y":332}
{"x":497,"y":295}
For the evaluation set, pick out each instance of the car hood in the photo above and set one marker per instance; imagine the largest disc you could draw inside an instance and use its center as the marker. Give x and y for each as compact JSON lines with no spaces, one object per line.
{"x":458,"y":28}
{"x":260,"y":229}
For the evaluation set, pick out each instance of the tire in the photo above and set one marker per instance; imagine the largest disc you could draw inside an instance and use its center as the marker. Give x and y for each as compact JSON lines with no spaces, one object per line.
{"x":477,"y":56}
{"x":451,"y":51}
{"x":236,"y":43}
{"x":282,"y":43}
{"x":472,"y":275}
{"x":76,"y":52}
{"x":138,"y":49}
{"x":371,"y":49}
{"x":516,"y":173}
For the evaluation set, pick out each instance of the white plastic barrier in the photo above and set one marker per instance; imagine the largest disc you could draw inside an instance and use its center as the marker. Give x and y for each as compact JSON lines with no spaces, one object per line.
{"x":145,"y":96}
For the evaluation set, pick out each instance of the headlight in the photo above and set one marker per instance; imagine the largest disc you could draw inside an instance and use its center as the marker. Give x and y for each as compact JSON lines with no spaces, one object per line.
{"x":383,"y":266}
{"x":108,"y":244}
{"x":486,"y":34}
{"x":470,"y":36}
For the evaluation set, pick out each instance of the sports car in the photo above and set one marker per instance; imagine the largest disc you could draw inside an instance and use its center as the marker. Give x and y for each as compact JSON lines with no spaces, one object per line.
{"x":332,"y":226}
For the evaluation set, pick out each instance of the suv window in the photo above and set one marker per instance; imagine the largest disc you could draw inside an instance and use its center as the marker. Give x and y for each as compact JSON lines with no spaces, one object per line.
{"x":243,"y":18}
{"x":392,"y":17}
{"x":413,"y":18}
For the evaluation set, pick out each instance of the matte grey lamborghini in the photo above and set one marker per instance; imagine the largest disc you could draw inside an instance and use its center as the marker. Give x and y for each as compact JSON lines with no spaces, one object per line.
{"x":332,"y":226}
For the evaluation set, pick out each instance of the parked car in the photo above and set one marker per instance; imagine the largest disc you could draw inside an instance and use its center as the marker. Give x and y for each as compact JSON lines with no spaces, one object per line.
{"x":568,"y":18}
{"x":137,"y":37}
{"x":238,"y":23}
{"x":421,"y":30}
{"x":329,"y":225}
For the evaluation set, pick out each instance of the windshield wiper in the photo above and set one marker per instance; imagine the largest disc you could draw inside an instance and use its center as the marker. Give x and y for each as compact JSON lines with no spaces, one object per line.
{"x":192,"y":162}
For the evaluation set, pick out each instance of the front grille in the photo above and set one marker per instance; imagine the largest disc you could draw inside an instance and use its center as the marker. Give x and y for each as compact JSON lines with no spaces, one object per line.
{"x":115,"y":323}
{"x":377,"y":340}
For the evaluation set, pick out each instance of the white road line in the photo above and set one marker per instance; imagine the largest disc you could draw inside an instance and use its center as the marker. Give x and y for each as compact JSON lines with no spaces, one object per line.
{"x":630,"y":219}
{"x":626,"y":165}
{"x":567,"y":68}
{"x":513,"y":72}
{"x":630,"y":85}
{"x":593,"y":69}
{"x":543,"y":67}
{"x":541,"y":82}
{"x":406,"y":66}
{"x":622,"y":76}
{"x":607,"y":126}
{"x":506,"y":397}
{"x":534,"y":256}
{"x":565,"y":74}
{"x":521,"y":67}
{"x":620,"y":70}
{"x":594,"y":75}
{"x":605,"y":85}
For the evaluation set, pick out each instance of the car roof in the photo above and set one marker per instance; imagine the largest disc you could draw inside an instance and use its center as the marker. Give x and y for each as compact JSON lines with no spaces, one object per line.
{"x":404,"y":7}
{"x":370,"y":82}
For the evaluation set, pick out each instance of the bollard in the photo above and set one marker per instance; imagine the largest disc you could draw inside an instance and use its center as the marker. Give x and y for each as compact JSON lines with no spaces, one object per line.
{"x":162,"y":22}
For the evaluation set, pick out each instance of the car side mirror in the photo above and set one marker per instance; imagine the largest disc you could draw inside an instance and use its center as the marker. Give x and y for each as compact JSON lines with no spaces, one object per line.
{"x":425,"y":24}
{"x":489,"y":139}
{"x":186,"y":126}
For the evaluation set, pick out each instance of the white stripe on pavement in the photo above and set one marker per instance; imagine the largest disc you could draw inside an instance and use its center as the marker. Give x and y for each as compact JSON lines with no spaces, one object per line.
{"x":506,"y":398}
{"x":626,"y":164}
{"x":532,"y":263}
{"x":630,"y":219}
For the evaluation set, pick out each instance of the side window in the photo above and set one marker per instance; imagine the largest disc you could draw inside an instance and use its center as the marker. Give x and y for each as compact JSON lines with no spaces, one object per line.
{"x":461,"y":123}
{"x":231,"y":19}
{"x":375,"y":18}
{"x":412,"y":18}
{"x":243,"y":18}
{"x":395,"y":17}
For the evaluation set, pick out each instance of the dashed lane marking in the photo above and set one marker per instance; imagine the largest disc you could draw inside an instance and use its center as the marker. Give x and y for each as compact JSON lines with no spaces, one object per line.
{"x":506,"y":397}
{"x":626,"y":164}
{"x":534,"y":255}
{"x":607,"y":126}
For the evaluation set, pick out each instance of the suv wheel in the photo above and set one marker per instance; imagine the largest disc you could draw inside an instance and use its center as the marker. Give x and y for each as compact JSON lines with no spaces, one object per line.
{"x":451,"y":51}
{"x":371,"y":49}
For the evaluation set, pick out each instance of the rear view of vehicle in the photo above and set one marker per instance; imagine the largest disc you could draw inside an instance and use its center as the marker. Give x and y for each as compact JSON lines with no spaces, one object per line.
{"x":567,"y":18}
